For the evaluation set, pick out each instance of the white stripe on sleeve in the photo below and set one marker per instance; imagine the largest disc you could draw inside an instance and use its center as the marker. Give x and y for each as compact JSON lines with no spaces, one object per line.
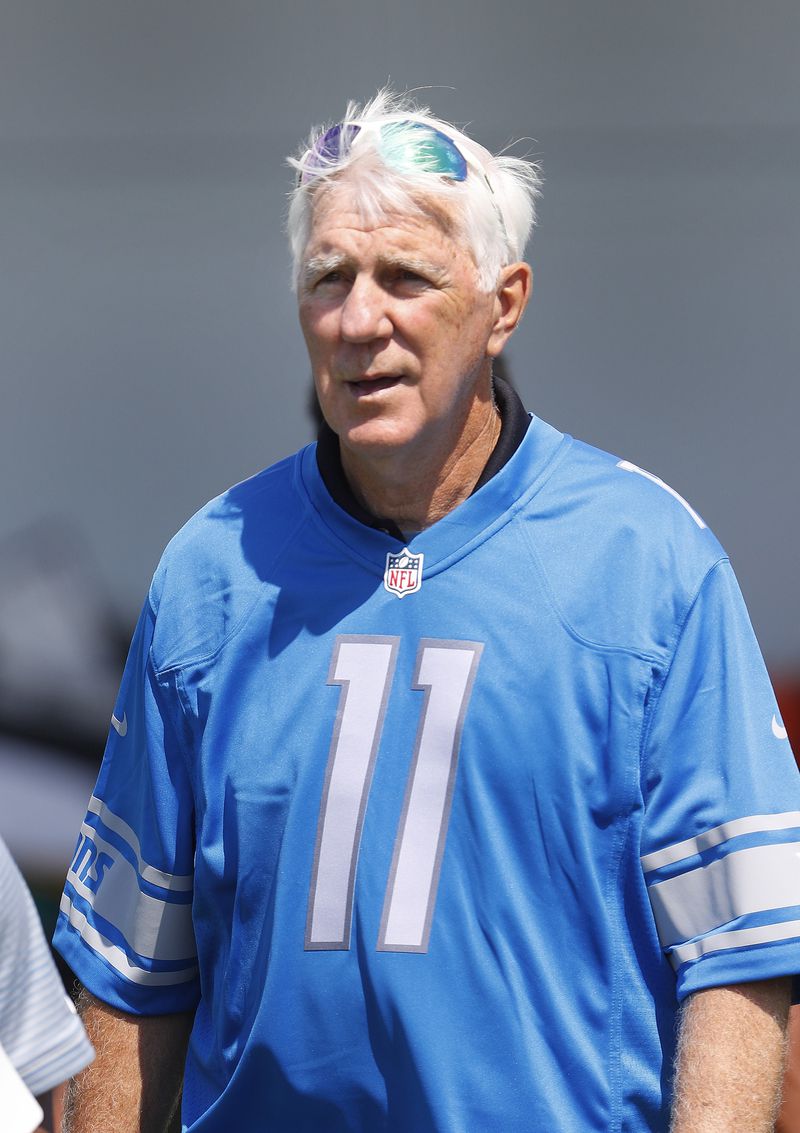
{"x":738,"y":938}
{"x":752,"y":824}
{"x":117,"y":957}
{"x":155,"y":928}
{"x":746,"y":881}
{"x":175,"y":882}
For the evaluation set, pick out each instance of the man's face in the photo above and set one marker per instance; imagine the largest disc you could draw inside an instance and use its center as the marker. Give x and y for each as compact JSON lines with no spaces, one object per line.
{"x":396,"y":329}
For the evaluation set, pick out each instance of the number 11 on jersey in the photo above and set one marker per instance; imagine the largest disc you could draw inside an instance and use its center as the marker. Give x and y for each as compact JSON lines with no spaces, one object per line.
{"x":363,"y":666}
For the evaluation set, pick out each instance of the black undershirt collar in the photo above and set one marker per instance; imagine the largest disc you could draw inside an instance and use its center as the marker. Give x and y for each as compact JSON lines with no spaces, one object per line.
{"x":514,"y":422}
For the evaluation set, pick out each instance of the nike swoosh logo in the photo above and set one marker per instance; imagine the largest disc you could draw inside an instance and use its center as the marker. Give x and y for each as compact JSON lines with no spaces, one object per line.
{"x":121,"y":726}
{"x":778,"y":730}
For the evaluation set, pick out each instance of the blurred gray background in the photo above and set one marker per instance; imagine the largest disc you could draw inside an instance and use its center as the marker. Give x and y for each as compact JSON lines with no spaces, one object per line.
{"x":149,"y":354}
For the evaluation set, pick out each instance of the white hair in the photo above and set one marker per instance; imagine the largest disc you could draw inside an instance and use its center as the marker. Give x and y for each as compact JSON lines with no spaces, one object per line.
{"x":493,"y":214}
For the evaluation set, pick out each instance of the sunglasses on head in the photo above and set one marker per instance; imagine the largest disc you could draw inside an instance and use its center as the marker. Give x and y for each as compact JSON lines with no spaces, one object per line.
{"x":406,"y":145}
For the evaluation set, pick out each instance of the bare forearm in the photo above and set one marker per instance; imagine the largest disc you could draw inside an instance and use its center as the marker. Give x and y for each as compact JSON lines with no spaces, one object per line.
{"x":133,"y":1084}
{"x":731,"y":1054}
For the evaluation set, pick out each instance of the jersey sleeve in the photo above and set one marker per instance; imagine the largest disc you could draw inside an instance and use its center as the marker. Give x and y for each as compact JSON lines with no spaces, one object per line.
{"x":721,"y":835}
{"x":39,"y":1030}
{"x":125,"y":924}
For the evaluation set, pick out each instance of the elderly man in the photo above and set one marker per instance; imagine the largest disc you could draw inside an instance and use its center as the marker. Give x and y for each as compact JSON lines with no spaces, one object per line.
{"x":445,"y":766}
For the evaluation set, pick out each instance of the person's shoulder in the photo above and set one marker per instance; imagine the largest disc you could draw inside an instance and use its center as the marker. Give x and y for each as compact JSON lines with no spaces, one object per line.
{"x":623,"y":551}
{"x":216,"y":529}
{"x":221,"y":561}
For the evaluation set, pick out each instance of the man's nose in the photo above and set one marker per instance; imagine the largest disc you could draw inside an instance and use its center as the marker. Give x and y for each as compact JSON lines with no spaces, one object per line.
{"x":365,"y":312}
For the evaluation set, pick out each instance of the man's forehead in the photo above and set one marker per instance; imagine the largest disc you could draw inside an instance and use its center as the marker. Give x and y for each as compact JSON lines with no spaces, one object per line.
{"x":344,"y":206}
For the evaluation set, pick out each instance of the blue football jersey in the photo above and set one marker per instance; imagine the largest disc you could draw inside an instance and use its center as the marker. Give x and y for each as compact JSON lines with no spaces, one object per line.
{"x":435,"y":838}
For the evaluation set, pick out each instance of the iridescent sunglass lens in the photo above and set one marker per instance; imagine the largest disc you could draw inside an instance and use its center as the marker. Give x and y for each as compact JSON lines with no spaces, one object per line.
{"x":327,"y":150}
{"x":413,"y":147}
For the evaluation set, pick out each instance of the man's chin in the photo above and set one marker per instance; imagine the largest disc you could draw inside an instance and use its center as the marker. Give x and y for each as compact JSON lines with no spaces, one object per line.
{"x":376,"y":437}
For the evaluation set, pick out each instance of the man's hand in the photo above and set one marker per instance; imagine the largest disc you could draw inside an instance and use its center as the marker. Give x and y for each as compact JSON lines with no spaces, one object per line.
{"x":731,"y":1053}
{"x":134,"y":1082}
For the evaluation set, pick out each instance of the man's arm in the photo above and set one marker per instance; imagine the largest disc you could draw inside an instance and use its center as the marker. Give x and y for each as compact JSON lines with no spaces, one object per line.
{"x":134,"y":1082}
{"x":52,"y":1104}
{"x":731,"y":1052}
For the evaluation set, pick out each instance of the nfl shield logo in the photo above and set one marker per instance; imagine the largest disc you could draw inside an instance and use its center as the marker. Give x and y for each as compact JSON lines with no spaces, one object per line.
{"x":403,"y":574}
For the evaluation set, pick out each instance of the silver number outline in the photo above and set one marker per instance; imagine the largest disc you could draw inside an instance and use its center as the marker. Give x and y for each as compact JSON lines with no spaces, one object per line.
{"x":336,"y":854}
{"x":445,"y":672}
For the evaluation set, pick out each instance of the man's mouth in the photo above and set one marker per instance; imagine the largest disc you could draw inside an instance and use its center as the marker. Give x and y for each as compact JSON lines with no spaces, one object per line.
{"x":369,"y":385}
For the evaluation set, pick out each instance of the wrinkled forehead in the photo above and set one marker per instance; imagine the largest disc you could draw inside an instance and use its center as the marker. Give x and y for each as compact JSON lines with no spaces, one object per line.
{"x":373,"y":203}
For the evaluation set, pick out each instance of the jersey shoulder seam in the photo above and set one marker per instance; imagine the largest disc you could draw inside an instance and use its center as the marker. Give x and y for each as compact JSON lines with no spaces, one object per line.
{"x":263,"y":593}
{"x":663,"y":675}
{"x":569,"y":628}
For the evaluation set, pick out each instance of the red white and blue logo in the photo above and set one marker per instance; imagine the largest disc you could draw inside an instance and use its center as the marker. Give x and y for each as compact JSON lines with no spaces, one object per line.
{"x":403,"y":574}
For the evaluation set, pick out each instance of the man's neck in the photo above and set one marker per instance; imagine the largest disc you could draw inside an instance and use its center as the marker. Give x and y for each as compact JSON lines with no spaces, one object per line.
{"x":414,"y":494}
{"x":514,"y":421}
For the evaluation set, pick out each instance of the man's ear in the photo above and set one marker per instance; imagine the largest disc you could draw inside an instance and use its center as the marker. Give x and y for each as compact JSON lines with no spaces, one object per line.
{"x":511,"y":298}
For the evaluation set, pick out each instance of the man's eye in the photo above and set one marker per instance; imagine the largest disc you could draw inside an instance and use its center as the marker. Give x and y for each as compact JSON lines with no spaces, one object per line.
{"x":332,"y":281}
{"x":409,"y":276}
